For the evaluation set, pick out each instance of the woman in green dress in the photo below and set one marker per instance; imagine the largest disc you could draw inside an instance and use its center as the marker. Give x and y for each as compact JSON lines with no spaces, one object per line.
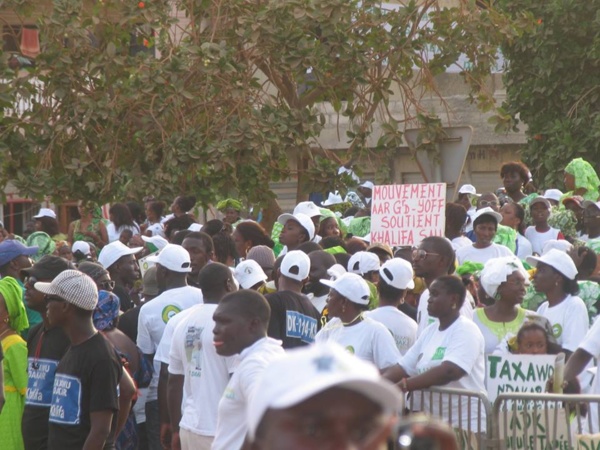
{"x":90,"y":227}
{"x":13,"y":319}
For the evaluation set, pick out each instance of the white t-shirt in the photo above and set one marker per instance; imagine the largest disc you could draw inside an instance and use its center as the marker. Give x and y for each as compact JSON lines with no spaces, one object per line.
{"x":368,"y":340}
{"x":462,"y":344}
{"x":524,"y":248}
{"x":569,"y":320}
{"x":192,"y":354}
{"x":157,"y":229}
{"x":231,"y":422}
{"x":591,"y":344}
{"x":460,"y":241}
{"x":153,"y":319}
{"x":424,"y":319}
{"x":113,"y":233}
{"x":481,"y":255}
{"x":402,"y":327}
{"x":538,"y":239}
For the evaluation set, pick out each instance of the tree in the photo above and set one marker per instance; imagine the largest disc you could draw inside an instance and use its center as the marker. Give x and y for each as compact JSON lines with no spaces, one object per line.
{"x":231,"y":93}
{"x":553,"y":84}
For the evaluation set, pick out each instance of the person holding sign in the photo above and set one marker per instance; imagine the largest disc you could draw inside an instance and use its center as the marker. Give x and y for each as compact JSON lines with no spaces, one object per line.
{"x":556,"y":278}
{"x":485,"y":225}
{"x":450,"y":353}
{"x":503,"y":279}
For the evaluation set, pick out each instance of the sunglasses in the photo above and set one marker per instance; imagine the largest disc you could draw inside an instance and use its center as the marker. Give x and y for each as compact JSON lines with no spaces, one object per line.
{"x":30,"y":280}
{"x":106,"y":285}
{"x":53,"y":298}
{"x":419,"y":254}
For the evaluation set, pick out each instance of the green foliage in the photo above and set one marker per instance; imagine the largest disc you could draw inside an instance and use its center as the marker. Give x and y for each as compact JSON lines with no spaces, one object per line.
{"x":233,"y":91}
{"x":553,"y":84}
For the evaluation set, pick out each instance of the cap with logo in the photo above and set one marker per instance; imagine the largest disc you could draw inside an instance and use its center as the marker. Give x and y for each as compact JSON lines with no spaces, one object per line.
{"x":304,"y":373}
{"x":248,"y":273}
{"x":308,"y":208}
{"x":174,"y":258}
{"x":74,"y":287}
{"x":363,"y":263}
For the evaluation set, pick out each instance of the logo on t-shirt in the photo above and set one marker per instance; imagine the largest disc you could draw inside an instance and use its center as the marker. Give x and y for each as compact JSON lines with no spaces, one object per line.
{"x":40,"y":382}
{"x":439,"y":353}
{"x":557,"y":330}
{"x":300,"y":326}
{"x":169,"y":311}
{"x":66,"y":400}
{"x":350,"y":349}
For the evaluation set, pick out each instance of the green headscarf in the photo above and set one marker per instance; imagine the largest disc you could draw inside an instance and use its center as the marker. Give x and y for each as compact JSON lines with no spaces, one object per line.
{"x":229,"y":203}
{"x":43,"y":242}
{"x":585,"y":177}
{"x":13,"y":297}
{"x":360,"y":226}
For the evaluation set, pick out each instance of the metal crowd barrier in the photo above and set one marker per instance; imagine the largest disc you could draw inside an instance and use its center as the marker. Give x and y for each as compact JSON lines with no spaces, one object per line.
{"x":441,"y":402}
{"x":515,"y":421}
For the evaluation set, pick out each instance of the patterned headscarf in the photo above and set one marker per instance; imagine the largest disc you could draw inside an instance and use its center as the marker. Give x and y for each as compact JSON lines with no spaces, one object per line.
{"x":585,"y":177}
{"x":107,"y":311}
{"x":229,"y":203}
{"x":13,"y":297}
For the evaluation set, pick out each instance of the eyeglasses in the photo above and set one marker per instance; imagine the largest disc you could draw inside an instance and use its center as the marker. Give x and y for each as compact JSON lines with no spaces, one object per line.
{"x":419,"y":254}
{"x":53,"y":298}
{"x":30,"y":281}
{"x":485,"y":203}
{"x":106,"y":285}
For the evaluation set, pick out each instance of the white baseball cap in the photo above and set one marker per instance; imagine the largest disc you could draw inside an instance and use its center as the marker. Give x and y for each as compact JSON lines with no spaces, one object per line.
{"x":248,"y":273}
{"x":112,"y":252}
{"x":295,"y":265}
{"x":158,"y":241}
{"x":397,"y":273}
{"x":308,"y":208}
{"x":302,"y":373}
{"x":45,"y":212}
{"x":553,"y":194}
{"x":487,"y":211}
{"x":368,"y":185}
{"x":304,"y":220}
{"x":468,"y":189}
{"x":81,"y":246}
{"x":74,"y":287}
{"x":363,"y":262}
{"x":336,"y":271}
{"x":174,"y":258}
{"x":195,"y":227}
{"x":351,"y":286}
{"x":558,"y":260}
{"x":559,"y":244}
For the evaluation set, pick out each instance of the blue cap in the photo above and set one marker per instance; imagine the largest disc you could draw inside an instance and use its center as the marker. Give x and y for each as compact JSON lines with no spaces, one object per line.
{"x":11,"y":248}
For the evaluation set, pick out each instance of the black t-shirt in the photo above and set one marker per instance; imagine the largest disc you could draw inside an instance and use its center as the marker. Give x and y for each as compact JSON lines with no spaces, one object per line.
{"x":45,"y":348}
{"x":124,"y":298}
{"x":294,"y":319}
{"x":128,"y":322}
{"x":409,"y":310}
{"x":86,"y":381}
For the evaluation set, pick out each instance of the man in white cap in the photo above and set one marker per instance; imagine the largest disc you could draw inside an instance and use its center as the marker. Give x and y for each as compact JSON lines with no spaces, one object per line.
{"x":395,"y":277}
{"x":366,"y":192}
{"x":294,"y":319}
{"x":120,"y":262}
{"x":241,"y":322}
{"x":90,"y":385}
{"x":322,"y":397}
{"x":312,"y":211}
{"x":172,"y":267}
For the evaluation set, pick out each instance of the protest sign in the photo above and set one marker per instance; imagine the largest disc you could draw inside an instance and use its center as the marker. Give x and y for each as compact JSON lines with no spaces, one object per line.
{"x":535,"y":429}
{"x":145,"y":264}
{"x":508,"y":373}
{"x":405,"y":214}
{"x":588,"y":442}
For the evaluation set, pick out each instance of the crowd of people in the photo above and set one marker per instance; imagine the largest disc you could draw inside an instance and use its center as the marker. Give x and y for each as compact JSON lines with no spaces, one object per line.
{"x":150,"y":330}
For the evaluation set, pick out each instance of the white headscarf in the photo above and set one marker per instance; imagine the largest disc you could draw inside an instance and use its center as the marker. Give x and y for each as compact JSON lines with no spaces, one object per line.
{"x":497,"y":270}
